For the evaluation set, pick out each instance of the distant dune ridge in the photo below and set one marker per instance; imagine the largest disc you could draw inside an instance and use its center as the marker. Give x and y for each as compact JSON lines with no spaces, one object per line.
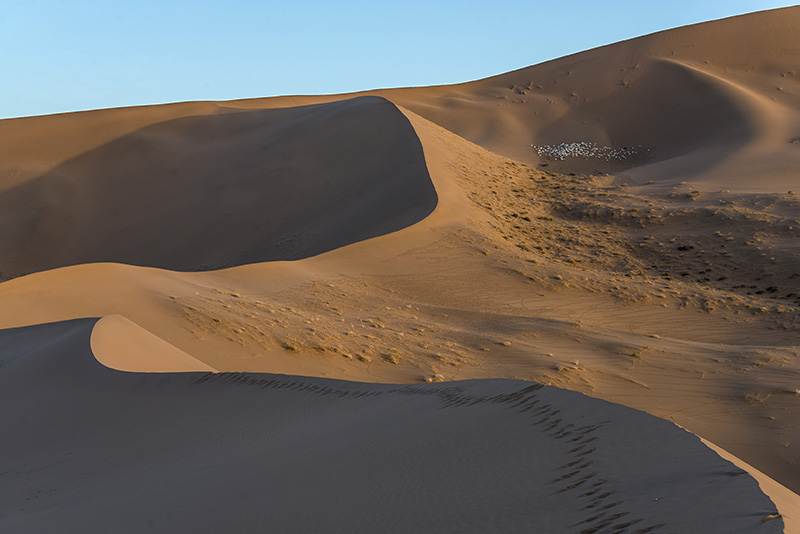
{"x":296,"y":313}
{"x":714,"y":102}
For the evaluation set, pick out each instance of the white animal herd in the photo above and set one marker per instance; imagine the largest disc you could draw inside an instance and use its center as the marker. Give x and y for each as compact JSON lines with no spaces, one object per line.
{"x":585,"y":149}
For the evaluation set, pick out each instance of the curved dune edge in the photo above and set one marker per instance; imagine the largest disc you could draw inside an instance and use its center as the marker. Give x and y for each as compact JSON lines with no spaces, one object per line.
{"x":786,"y":501}
{"x":756,"y":144}
{"x":132,"y":296}
{"x":119,"y":343}
{"x":115,"y":444}
{"x":219,"y":189}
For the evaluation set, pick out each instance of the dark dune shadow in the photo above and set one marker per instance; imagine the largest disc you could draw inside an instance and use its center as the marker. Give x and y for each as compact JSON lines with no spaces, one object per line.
{"x":216,"y":191}
{"x":100,"y":450}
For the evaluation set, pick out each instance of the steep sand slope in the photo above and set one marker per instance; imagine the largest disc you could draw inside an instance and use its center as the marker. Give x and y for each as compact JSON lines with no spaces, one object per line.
{"x":99,"y":450}
{"x":219,"y":189}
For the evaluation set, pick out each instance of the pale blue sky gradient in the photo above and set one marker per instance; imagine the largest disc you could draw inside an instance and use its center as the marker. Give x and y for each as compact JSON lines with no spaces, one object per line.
{"x":70,"y":55}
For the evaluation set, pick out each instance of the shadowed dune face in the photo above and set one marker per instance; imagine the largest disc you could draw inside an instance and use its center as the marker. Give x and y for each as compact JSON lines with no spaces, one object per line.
{"x":214,"y":191}
{"x":101,"y":450}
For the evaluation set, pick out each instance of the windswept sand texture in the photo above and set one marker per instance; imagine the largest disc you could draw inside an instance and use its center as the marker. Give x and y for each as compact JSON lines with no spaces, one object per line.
{"x":431,"y":243}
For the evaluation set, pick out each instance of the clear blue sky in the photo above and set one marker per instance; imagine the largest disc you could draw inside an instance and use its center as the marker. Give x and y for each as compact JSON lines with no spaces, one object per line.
{"x":68,"y":55}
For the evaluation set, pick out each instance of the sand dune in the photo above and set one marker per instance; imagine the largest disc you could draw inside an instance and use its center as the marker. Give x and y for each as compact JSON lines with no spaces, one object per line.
{"x":715,"y":103}
{"x":421,"y":254}
{"x":288,"y":453}
{"x":223,"y":189}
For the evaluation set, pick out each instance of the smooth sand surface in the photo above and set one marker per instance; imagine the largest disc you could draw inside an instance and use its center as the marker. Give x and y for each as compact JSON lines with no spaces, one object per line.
{"x":429,"y":242}
{"x":100,"y":450}
{"x":785,"y":500}
{"x":715,"y":104}
{"x":121,"y":344}
{"x":221,"y":189}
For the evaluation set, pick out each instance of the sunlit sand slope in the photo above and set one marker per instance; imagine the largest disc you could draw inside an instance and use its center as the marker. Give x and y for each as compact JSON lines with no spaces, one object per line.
{"x":717,"y":103}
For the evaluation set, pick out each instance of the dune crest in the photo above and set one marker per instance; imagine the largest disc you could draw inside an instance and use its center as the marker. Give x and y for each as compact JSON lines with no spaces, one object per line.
{"x":224,"y":189}
{"x":326,"y":451}
{"x":687,"y":96}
